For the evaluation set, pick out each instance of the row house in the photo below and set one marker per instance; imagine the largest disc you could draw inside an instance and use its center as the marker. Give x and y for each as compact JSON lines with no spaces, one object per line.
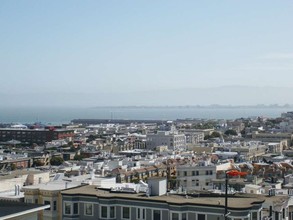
{"x":122,"y":175}
{"x":87,"y":202}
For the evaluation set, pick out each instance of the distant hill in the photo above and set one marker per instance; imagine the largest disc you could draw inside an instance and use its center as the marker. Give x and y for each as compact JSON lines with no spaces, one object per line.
{"x":226,"y":95}
{"x":223,"y":96}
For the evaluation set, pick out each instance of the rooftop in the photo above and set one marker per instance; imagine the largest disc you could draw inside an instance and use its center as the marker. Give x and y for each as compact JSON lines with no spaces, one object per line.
{"x":53,"y":186}
{"x":237,"y":201}
{"x":18,"y":173}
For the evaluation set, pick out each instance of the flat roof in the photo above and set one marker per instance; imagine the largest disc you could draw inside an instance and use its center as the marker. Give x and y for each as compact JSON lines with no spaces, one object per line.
{"x":53,"y":186}
{"x":238,"y":202}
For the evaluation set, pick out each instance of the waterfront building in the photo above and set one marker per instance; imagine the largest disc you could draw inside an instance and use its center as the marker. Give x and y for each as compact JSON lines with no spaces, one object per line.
{"x":38,"y":136}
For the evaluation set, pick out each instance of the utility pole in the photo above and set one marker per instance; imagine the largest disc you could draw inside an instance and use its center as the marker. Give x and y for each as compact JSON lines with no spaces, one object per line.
{"x":226,"y":195}
{"x":230,"y":172}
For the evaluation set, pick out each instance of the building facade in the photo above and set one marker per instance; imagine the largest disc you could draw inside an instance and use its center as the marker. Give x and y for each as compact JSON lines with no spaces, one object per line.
{"x":196,"y":176}
{"x":37,"y":136}
{"x":171,"y":139}
{"x":88,"y":202}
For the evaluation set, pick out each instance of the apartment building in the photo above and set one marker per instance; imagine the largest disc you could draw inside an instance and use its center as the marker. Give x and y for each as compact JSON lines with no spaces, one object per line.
{"x":50,"y":194}
{"x":273,"y":137}
{"x":196,"y":176}
{"x":193,"y":136}
{"x":173,"y":140}
{"x":37,"y":136}
{"x":89,"y":202}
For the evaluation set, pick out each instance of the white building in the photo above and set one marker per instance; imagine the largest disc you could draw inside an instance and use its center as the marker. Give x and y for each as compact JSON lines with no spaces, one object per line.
{"x":196,"y":176}
{"x":193,"y":136}
{"x":254,"y":189}
{"x":171,"y":139}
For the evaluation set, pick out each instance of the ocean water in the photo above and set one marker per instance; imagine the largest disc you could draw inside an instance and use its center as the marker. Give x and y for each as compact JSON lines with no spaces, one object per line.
{"x":59,"y":115}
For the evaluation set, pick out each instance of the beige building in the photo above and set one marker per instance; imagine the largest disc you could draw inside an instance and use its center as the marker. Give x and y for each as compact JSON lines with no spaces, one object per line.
{"x":47,"y":194}
{"x":273,"y":137}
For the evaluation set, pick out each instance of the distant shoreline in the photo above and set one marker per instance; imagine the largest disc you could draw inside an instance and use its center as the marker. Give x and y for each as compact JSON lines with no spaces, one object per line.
{"x":59,"y":115}
{"x":200,"y":106}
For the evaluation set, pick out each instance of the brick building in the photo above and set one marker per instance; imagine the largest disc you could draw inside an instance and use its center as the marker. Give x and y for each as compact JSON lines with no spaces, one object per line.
{"x":37,"y":136}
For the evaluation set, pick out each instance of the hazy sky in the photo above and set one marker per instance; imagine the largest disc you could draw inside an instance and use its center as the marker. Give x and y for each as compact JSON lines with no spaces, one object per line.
{"x":105,"y":47}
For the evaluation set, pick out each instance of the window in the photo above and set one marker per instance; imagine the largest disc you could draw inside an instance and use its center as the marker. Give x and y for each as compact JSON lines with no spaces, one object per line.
{"x":112,"y":212}
{"x":107,"y":212}
{"x":193,"y":173}
{"x":104,"y":211}
{"x":175,"y":216}
{"x":197,"y":173}
{"x":29,"y":201}
{"x":140,"y":213}
{"x":67,"y":208}
{"x":71,"y":208}
{"x":254,"y":216}
{"x":75,"y":208}
{"x":156,"y":214}
{"x":185,"y":173}
{"x":47,"y":203}
{"x":183,"y":216}
{"x":88,"y":209}
{"x":178,"y":216}
{"x":125,"y":212}
{"x":55,"y":205}
{"x":201,"y":217}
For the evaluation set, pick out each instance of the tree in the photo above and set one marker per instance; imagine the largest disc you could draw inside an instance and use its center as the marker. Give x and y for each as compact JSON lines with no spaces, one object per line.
{"x":56,"y":161}
{"x":91,"y":138}
{"x":207,"y":125}
{"x":38,"y":163}
{"x":215,"y":134}
{"x":243,"y":132}
{"x":78,"y":157}
{"x":231,"y":132}
{"x":13,"y":166}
